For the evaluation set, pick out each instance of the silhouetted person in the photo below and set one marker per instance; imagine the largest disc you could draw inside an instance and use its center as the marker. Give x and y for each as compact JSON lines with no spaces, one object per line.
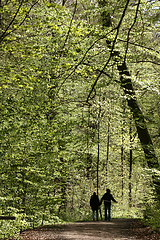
{"x":94,"y":203}
{"x":107,"y":198}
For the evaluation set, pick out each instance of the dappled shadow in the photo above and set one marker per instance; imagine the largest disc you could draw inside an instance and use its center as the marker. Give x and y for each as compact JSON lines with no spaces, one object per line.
{"x":117,"y":229}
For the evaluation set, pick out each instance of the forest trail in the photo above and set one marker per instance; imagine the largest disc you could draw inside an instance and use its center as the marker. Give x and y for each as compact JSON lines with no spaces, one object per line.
{"x":117,"y":229}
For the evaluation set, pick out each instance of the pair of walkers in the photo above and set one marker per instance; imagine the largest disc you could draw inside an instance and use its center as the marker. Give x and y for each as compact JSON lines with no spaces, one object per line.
{"x":95,"y":203}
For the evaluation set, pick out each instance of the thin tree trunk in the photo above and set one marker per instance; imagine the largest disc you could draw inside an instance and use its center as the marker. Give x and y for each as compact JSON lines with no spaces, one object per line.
{"x":89,"y":155}
{"x":0,"y":15}
{"x":108,"y":142}
{"x":108,"y":138}
{"x":130,"y":164}
{"x":122,"y":152}
{"x":63,"y":188}
{"x":122,"y":169}
{"x":63,"y":2}
{"x":98,"y":158}
{"x":98,"y":152}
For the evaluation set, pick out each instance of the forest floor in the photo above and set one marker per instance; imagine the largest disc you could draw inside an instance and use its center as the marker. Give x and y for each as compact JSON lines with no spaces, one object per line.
{"x":117,"y":229}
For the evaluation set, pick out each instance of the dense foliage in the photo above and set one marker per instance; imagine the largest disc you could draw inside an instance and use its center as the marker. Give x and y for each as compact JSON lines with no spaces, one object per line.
{"x":79,"y":84}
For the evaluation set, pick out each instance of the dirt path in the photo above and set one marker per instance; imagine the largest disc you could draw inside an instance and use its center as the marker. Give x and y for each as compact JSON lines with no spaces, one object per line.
{"x":117,"y":229}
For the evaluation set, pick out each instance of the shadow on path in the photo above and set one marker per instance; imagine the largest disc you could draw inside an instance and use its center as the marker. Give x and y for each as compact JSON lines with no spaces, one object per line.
{"x":102,"y":230}
{"x":117,"y":229}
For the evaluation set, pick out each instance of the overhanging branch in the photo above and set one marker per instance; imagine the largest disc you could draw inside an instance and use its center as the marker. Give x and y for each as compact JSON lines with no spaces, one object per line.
{"x":111,"y":51}
{"x":6,"y":33}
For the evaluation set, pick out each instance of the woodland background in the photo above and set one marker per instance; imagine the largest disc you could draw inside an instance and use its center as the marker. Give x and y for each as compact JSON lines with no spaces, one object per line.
{"x":80,"y":111}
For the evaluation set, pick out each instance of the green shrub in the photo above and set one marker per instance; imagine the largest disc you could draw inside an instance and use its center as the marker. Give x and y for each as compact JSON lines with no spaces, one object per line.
{"x":152,"y":215}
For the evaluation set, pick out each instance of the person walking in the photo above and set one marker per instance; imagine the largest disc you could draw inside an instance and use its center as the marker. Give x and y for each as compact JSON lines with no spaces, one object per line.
{"x":107,"y":198}
{"x":94,"y":203}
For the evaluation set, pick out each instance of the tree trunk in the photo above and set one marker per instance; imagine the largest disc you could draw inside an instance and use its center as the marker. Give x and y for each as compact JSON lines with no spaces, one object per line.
{"x":143,"y":134}
{"x":130,"y":164}
{"x":122,"y":151}
{"x":63,"y":188}
{"x":126,"y":84}
{"x":108,"y":142}
{"x":108,"y":137}
{"x":98,"y":159}
{"x":0,"y":15}
{"x":98,"y":150}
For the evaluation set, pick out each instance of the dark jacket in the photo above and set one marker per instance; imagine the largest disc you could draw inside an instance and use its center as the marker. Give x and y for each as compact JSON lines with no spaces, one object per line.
{"x":107,"y":198}
{"x":94,"y":202}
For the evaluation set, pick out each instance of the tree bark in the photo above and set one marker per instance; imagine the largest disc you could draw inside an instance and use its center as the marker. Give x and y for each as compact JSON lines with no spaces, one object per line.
{"x":130,"y":164}
{"x":140,"y":123}
{"x":0,"y":15}
{"x":126,"y":84}
{"x":98,"y":150}
{"x":143,"y":134}
{"x":108,"y":143}
{"x":122,"y":151}
{"x":98,"y":159}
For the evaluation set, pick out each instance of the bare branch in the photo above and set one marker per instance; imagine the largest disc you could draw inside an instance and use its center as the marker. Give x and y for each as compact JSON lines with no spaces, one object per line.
{"x":113,"y":45}
{"x":139,"y":45}
{"x":69,"y":30}
{"x":98,"y":70}
{"x":147,"y":61}
{"x":5,"y":34}
{"x":63,"y":2}
{"x":82,"y":59}
{"x":128,"y":36}
{"x":9,"y":25}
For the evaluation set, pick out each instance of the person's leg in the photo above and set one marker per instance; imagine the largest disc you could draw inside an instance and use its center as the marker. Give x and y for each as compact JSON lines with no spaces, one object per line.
{"x":109,"y":213}
{"x":100,"y":213}
{"x":93,"y":214}
{"x":105,"y":212}
{"x":97,"y":214}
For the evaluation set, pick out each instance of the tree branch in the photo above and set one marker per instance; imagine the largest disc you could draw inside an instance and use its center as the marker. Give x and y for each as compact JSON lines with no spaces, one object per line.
{"x":139,"y":45}
{"x":147,"y":61}
{"x":69,"y":30}
{"x":5,"y":34}
{"x":9,"y":25}
{"x":128,"y":36}
{"x":98,"y":70}
{"x":112,"y":48}
{"x":81,"y":61}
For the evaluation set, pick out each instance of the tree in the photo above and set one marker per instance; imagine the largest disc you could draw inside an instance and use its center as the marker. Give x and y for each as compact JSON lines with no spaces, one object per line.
{"x":126,"y":84}
{"x":53,"y":141}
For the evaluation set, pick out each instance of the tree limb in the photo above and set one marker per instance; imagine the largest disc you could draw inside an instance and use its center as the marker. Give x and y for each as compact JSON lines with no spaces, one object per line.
{"x":112,"y":48}
{"x":5,"y":34}
{"x":139,"y":45}
{"x":128,"y":36}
